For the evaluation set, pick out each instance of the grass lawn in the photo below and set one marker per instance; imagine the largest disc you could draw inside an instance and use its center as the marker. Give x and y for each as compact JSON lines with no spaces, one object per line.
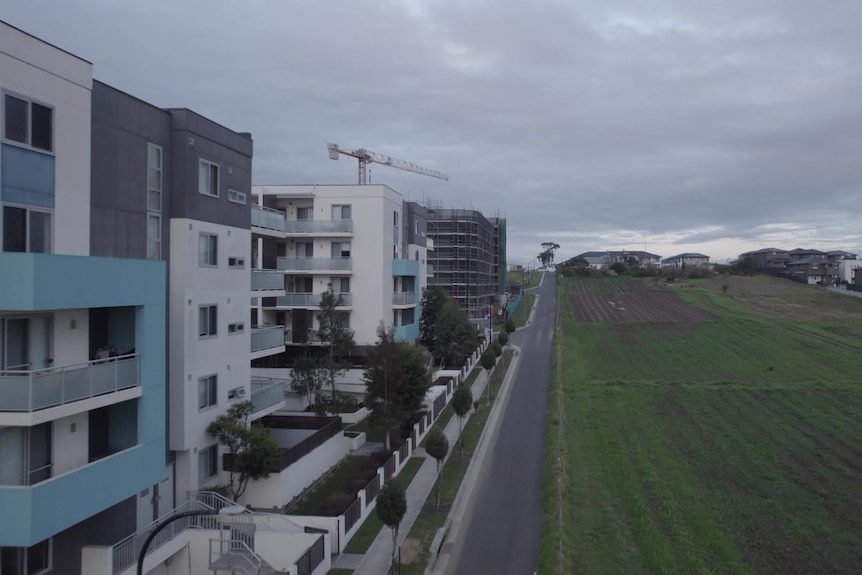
{"x":333,"y":483}
{"x":726,"y":445}
{"x":373,"y":434}
{"x":365,"y":535}
{"x":522,"y":314}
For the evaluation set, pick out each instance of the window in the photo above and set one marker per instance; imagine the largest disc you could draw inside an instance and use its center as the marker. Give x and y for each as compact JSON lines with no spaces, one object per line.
{"x":236,"y":263}
{"x":208,"y":179}
{"x":340,"y":250}
{"x":28,"y":123}
{"x":33,"y":560}
{"x":154,"y":178}
{"x":304,"y":250}
{"x":304,"y":213}
{"x":207,"y":391}
{"x":234,"y":328}
{"x":154,"y":237}
{"x":26,"y":230}
{"x":342,"y":285}
{"x":341,"y":212}
{"x":236,"y":197}
{"x":395,"y":219}
{"x":417,"y":227}
{"x":207,"y":318}
{"x":207,"y":463}
{"x":208,"y":249}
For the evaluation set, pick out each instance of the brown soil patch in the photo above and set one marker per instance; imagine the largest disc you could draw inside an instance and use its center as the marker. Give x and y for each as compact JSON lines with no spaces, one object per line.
{"x":410,"y":550}
{"x":639,"y":307}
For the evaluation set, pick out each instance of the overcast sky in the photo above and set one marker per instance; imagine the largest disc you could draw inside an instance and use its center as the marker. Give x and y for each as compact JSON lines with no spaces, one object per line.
{"x":671,"y":125}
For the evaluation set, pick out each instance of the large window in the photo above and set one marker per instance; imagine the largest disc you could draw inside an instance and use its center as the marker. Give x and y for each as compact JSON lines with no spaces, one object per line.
{"x":207,"y":463}
{"x":208,"y":179}
{"x":207,"y":391}
{"x":28,"y":123}
{"x":33,"y":560}
{"x":154,"y":178}
{"x":341,"y":212}
{"x":26,"y":230}
{"x":304,"y":249}
{"x":154,"y":236}
{"x":304,"y":213}
{"x":208,"y":320}
{"x":340,"y":250}
{"x":208,"y":249}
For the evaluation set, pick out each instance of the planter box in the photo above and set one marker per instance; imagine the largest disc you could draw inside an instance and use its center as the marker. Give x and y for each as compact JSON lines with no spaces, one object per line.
{"x":357,"y":441}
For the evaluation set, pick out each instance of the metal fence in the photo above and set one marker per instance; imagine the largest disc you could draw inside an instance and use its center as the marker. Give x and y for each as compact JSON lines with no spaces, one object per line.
{"x":389,"y":468}
{"x":404,"y":451}
{"x":439,"y":405}
{"x":352,"y":515}
{"x":311,"y":558}
{"x":371,"y":490}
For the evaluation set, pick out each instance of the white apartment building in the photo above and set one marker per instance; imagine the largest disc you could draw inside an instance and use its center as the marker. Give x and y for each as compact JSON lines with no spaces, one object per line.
{"x":364,"y":240}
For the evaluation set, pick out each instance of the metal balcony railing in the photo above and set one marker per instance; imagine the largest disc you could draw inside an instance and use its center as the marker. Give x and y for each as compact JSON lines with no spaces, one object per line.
{"x":309,"y":300}
{"x":32,"y":390}
{"x":315,"y":264}
{"x":267,"y":280}
{"x":311,"y":227}
{"x":404,"y":298}
{"x":266,"y":337}
{"x":267,"y":218}
{"x":266,"y":392}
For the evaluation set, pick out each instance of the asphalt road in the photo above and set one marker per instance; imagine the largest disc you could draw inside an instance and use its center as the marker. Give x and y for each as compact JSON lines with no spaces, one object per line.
{"x":502,"y":524}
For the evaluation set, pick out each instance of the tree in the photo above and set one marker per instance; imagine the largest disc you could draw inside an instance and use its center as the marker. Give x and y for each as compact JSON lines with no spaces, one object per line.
{"x":434,"y":297}
{"x":462,"y":401}
{"x":337,"y":338}
{"x":306,"y":380}
{"x":391,"y":506}
{"x":488,"y":360}
{"x":618,"y":267}
{"x":503,"y":337}
{"x":546,"y":256}
{"x":746,"y":266}
{"x":498,"y":349}
{"x":510,"y":326}
{"x":396,"y":379}
{"x":437,"y":446}
{"x":255,"y":452}
{"x":454,"y":335}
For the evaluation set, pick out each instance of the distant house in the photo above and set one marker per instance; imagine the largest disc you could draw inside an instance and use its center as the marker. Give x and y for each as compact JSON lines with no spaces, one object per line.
{"x":838,"y":255}
{"x":686,"y":260}
{"x":768,"y":258}
{"x":801,"y":253}
{"x":601,"y":260}
{"x":816,"y":270}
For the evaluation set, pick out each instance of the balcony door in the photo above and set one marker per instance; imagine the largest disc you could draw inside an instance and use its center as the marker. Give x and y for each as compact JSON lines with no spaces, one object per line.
{"x":25,"y":343}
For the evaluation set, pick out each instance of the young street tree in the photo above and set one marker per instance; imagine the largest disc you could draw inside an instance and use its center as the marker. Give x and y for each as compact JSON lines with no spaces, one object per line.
{"x":437,"y":446}
{"x":462,"y":401}
{"x":503,"y":338}
{"x":396,"y":379}
{"x":510,"y":326}
{"x":391,"y":506}
{"x":337,"y":339}
{"x":255,"y":452}
{"x":305,"y":380}
{"x":488,"y":360}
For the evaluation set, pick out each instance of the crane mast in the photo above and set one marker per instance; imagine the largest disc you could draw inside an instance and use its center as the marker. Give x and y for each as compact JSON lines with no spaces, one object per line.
{"x":366,"y":157}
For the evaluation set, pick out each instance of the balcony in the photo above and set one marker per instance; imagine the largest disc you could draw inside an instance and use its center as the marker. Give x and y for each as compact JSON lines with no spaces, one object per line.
{"x":28,"y":391}
{"x":266,"y":338}
{"x":306,"y":300}
{"x":267,"y":280}
{"x":315,"y":264}
{"x":430,"y":270}
{"x":266,"y":392}
{"x":317,"y":228}
{"x":406,"y":298}
{"x":267,"y":218}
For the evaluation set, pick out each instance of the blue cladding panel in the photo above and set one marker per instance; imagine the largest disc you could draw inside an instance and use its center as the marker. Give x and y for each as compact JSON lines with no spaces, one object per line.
{"x":27,"y":177}
{"x":51,"y":282}
{"x":408,"y":333}
{"x":405,"y":267}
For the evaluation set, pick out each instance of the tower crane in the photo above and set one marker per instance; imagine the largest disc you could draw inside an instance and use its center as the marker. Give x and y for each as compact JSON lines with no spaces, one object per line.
{"x":365,"y":157}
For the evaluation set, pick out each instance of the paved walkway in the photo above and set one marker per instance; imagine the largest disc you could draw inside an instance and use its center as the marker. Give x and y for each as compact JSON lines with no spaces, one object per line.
{"x":379,"y":556}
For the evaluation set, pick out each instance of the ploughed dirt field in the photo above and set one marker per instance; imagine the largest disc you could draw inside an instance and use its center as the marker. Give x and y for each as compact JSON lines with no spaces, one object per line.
{"x":648,"y":305}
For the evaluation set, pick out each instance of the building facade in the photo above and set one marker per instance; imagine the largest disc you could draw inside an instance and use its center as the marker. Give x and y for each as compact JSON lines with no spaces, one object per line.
{"x":686,"y":260}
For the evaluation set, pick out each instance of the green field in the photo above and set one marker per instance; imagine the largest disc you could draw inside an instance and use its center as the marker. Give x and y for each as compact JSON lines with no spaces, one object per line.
{"x":726,"y":445}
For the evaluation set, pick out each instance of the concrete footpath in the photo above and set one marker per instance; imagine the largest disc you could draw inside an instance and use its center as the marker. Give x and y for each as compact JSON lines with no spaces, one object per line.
{"x":378,"y":558}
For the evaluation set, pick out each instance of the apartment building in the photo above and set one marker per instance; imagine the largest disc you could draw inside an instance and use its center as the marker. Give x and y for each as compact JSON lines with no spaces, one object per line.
{"x":686,"y":260}
{"x":469,"y":257}
{"x":82,"y":349}
{"x":364,"y":240}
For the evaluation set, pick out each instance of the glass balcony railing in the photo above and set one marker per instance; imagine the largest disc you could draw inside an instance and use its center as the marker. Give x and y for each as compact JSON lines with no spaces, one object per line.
{"x":318,"y":227}
{"x":266,"y":392}
{"x":404,"y":298}
{"x":309,"y":300}
{"x":315,"y":264}
{"x":267,"y":218}
{"x":43,"y":388}
{"x":267,"y":280}
{"x":430,"y":269}
{"x":266,"y":337}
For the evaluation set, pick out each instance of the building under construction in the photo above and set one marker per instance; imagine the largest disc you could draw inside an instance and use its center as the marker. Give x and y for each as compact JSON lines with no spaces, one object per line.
{"x":469,"y":257}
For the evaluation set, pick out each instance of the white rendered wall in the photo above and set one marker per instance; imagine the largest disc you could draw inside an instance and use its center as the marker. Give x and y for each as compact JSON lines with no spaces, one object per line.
{"x":38,"y":71}
{"x":192,"y":357}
